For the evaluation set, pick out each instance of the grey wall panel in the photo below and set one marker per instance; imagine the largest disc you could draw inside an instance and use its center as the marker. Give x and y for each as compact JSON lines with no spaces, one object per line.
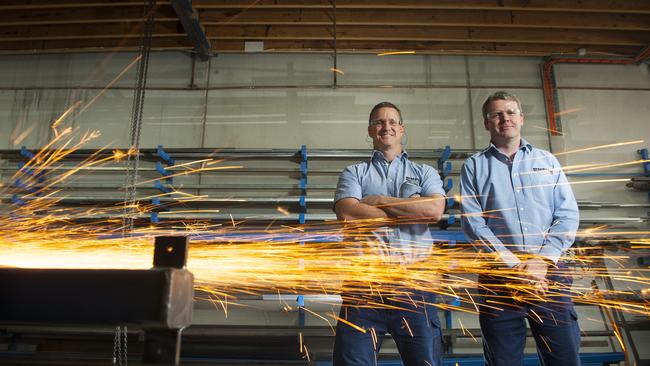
{"x":174,"y":69}
{"x":70,"y":70}
{"x":332,"y":118}
{"x":173,"y":118}
{"x":400,"y":70}
{"x":110,"y":114}
{"x":271,"y":70}
{"x":97,"y":70}
{"x":508,"y":71}
{"x":29,"y":113}
{"x":603,"y":76}
{"x":602,"y":117}
{"x":7,"y":124}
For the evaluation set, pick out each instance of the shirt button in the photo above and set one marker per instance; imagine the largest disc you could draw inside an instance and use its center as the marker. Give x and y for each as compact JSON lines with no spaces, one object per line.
{"x":518,"y":190}
{"x":521,"y":208}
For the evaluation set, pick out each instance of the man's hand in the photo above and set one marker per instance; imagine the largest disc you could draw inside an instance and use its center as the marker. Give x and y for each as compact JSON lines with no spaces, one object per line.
{"x":534,"y":271}
{"x":541,"y":287}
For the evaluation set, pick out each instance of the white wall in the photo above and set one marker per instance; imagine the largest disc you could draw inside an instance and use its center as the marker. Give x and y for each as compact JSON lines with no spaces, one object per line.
{"x":280,"y":101}
{"x":284,"y":101}
{"x":605,"y":104}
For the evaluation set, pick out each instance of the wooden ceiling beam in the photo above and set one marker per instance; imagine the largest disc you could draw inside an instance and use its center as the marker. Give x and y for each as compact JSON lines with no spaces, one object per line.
{"x":69,"y":4}
{"x":83,"y":16}
{"x":607,"y":6}
{"x":78,"y":32}
{"x":465,"y":48}
{"x":354,"y":17}
{"x":323,"y":33}
{"x":457,"y":34}
{"x":102,"y":44}
{"x":490,"y":26}
{"x":283,"y":46}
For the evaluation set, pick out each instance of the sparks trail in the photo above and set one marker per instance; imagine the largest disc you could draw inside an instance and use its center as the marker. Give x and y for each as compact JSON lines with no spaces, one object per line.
{"x":336,"y":256}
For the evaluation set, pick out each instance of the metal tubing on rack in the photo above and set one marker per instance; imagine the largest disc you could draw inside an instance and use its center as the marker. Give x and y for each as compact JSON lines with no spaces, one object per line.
{"x":198,"y":153}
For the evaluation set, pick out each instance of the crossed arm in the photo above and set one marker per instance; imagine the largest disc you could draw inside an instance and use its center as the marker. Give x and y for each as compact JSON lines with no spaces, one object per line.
{"x":384,"y":207}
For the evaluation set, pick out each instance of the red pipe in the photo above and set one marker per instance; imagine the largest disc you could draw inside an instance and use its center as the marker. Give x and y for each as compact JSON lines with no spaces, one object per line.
{"x":547,"y":80}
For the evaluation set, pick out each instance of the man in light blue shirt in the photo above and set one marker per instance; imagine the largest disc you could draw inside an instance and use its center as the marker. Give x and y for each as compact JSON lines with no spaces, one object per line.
{"x":518,"y":206}
{"x":399,"y":199}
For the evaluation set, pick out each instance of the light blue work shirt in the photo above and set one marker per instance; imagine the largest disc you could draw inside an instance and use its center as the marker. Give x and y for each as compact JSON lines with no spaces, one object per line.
{"x":401,"y":178}
{"x":520,"y":206}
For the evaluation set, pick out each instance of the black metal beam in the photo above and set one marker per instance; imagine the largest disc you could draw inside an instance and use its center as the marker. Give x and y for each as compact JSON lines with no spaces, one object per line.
{"x":195,"y":32}
{"x":158,"y":301}
{"x":153,"y":299}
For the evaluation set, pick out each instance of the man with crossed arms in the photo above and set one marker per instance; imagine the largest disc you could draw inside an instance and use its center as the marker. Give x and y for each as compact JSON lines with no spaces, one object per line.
{"x":390,"y":189}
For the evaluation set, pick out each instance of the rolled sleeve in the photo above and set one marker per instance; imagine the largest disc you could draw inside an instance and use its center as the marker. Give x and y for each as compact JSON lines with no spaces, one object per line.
{"x":348,"y":185}
{"x":431,"y":183}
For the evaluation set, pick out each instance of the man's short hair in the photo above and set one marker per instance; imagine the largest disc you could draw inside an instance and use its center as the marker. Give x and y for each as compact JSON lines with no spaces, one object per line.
{"x":384,"y":105}
{"x":500,"y":95}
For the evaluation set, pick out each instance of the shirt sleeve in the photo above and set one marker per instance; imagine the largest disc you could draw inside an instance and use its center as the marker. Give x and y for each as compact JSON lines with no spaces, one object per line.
{"x":349,"y":185}
{"x":431,"y":183}
{"x":566,"y":218}
{"x":473,"y":223}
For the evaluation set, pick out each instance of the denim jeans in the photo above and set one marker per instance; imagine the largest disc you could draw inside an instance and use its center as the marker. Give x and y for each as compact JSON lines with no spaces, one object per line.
{"x":553,"y":322}
{"x":415,"y":327}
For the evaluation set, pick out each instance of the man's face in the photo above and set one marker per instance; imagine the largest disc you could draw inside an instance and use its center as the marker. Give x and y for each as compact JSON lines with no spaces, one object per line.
{"x":503,"y":120}
{"x":385,"y":128}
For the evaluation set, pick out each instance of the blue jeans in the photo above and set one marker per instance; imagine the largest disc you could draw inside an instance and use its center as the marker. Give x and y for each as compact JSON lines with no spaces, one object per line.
{"x":414,"y":327}
{"x":553,"y":322}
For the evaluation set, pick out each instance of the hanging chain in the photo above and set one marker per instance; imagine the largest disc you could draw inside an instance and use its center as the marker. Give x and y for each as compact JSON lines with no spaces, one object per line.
{"x":120,"y":350}
{"x":124,"y":348}
{"x":116,"y":345}
{"x":136,"y":118}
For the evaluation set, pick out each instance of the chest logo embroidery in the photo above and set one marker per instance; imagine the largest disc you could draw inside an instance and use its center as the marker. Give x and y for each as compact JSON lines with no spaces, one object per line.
{"x":412,"y":180}
{"x":546,"y":171}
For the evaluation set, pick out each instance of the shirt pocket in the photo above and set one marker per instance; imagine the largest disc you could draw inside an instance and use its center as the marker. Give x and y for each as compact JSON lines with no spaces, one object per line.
{"x":409,"y":188}
{"x":540,"y":184}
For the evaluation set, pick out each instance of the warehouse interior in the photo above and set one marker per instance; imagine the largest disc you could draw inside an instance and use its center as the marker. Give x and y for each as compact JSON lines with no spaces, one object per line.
{"x":266,"y":102}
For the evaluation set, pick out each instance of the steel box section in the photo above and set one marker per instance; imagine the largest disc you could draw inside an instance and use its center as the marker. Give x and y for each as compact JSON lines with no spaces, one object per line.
{"x":149,"y":299}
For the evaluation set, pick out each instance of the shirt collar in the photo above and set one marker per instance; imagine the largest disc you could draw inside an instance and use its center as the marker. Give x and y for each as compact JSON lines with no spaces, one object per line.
{"x":523,"y":145}
{"x":376,"y":154}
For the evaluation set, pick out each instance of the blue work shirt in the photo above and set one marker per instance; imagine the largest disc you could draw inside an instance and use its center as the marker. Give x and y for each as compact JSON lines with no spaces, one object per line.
{"x":520,"y":206}
{"x":401,"y":178}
